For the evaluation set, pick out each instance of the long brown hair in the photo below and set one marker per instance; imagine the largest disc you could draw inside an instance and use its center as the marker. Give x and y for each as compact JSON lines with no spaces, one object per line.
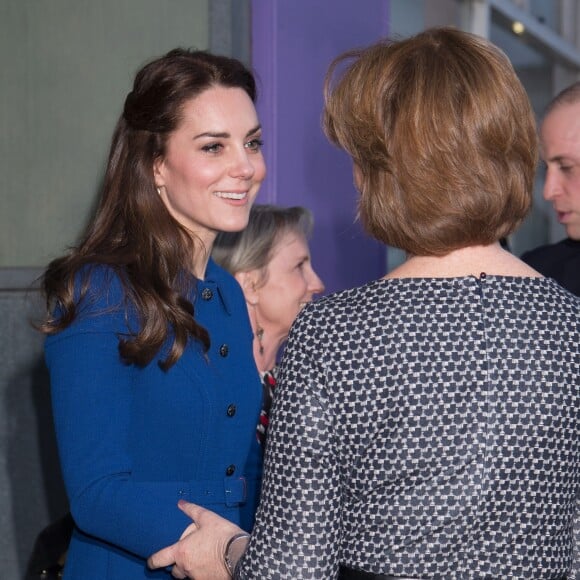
{"x":131,"y":231}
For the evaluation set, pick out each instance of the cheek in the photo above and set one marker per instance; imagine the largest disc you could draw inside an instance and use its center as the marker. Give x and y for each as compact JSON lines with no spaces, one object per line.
{"x":299,"y":293}
{"x":259,"y":170}
{"x":286,"y":299}
{"x":194,"y":175}
{"x":199,"y":177}
{"x":574,"y":186}
{"x":293,"y":309}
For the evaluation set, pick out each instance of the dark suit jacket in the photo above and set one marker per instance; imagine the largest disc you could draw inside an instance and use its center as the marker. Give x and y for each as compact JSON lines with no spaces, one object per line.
{"x":559,"y":261}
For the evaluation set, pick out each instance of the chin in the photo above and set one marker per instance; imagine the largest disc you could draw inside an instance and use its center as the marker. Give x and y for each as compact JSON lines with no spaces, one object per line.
{"x":235,"y":226}
{"x":233,"y":229}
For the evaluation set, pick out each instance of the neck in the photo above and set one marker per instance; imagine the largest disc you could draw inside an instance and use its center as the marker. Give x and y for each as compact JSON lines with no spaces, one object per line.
{"x":202,"y":243}
{"x":469,"y":261}
{"x":200,"y":261}
{"x":266,"y":350}
{"x":267,"y":346}
{"x":266,"y":357}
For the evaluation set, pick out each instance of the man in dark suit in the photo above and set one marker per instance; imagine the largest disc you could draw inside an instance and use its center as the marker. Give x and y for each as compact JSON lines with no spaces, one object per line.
{"x":560,"y":150}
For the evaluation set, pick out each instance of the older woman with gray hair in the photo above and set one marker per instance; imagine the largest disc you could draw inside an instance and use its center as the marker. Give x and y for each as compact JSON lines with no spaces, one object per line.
{"x":270,"y":259}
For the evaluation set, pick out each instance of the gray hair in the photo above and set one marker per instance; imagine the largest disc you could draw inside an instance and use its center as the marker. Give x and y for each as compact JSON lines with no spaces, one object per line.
{"x":252,"y":248}
{"x":568,"y":96}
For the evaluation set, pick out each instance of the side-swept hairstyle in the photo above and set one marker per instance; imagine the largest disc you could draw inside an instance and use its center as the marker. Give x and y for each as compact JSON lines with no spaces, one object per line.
{"x":253,"y":247}
{"x":442,"y":136}
{"x":132,"y":231}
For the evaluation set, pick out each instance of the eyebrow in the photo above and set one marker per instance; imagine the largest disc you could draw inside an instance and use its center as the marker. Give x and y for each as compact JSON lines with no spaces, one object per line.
{"x":560,"y":158}
{"x":226,"y":135}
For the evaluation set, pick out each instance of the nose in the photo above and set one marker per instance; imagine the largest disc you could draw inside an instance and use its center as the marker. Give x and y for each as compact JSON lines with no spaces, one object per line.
{"x":315,"y":284}
{"x":552,"y":186}
{"x":242,"y":166}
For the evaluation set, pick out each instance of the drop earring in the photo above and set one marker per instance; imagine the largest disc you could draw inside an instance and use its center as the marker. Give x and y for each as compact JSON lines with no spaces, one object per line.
{"x":260,"y":336}
{"x":253,"y":301}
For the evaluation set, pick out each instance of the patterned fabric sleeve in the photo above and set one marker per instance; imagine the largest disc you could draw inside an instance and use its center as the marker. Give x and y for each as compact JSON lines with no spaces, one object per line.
{"x":301,"y":479}
{"x":575,"y":572}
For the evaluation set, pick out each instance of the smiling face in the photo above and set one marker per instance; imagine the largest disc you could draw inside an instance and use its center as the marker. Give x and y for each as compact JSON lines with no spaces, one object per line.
{"x":213,"y":164}
{"x":291,"y":282}
{"x":560,"y":149}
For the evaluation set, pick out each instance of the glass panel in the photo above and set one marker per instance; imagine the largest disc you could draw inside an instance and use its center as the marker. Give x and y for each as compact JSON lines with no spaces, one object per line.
{"x":65,"y":68}
{"x":547,"y":12}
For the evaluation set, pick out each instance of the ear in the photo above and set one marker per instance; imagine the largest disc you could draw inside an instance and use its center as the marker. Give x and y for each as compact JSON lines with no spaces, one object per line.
{"x":158,"y":171}
{"x":249,"y":283}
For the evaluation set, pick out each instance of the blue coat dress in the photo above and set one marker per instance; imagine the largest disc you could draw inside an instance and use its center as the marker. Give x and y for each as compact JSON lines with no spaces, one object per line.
{"x":134,"y":440}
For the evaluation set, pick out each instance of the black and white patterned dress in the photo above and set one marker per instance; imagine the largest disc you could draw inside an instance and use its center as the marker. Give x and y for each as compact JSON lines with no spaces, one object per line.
{"x":425,"y":427}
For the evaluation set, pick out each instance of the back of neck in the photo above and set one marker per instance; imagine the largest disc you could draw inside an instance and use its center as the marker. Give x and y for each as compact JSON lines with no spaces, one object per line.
{"x":469,"y":261}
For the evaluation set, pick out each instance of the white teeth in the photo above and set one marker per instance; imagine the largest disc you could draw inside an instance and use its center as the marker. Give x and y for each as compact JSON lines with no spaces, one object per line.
{"x":231,"y":195}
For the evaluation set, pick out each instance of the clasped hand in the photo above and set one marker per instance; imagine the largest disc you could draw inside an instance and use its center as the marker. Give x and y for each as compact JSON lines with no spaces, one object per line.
{"x":199,"y":553}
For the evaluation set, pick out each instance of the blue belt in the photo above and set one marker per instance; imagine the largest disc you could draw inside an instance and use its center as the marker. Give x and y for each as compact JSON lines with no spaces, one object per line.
{"x":230,"y":491}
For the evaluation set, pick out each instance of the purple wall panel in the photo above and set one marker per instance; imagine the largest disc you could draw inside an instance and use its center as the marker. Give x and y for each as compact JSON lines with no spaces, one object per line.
{"x":293,"y":42}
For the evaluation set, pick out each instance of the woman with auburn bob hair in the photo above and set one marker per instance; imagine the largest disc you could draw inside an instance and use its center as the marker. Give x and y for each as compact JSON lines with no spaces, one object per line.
{"x":426,"y":424}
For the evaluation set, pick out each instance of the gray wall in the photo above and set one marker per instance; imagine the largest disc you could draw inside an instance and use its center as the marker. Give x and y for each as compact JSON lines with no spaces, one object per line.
{"x":65,"y":68}
{"x":31,"y":489}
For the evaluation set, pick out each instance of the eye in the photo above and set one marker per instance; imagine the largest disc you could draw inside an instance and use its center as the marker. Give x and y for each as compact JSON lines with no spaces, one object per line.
{"x":254,"y":145}
{"x":212,"y":147}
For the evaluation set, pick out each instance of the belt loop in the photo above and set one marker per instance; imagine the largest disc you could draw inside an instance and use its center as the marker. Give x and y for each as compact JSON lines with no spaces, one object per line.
{"x":235,"y":490}
{"x":230,"y":491}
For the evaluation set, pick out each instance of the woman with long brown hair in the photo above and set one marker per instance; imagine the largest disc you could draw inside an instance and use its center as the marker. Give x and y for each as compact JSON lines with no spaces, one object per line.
{"x":155,"y":391}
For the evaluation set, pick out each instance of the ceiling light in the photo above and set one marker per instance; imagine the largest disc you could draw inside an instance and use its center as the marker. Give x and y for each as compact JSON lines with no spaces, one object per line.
{"x":518,"y":28}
